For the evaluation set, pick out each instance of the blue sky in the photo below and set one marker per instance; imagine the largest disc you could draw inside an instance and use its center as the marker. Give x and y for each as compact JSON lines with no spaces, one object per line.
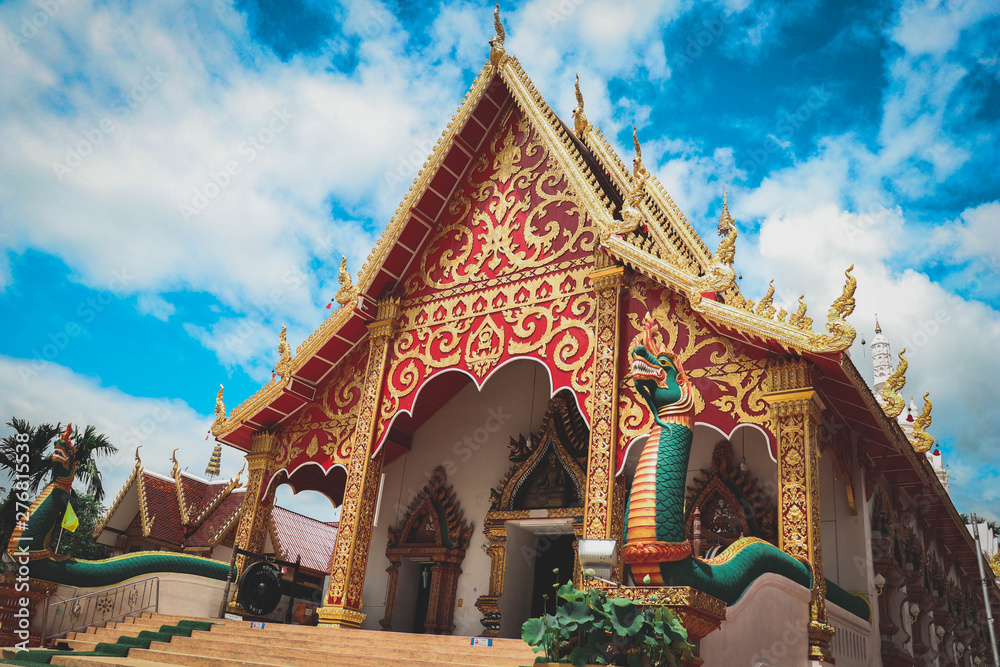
{"x":177,"y":181}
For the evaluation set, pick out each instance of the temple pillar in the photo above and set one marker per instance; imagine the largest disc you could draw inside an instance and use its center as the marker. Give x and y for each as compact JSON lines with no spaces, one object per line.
{"x":342,"y":607}
{"x":600,"y":521}
{"x":258,"y":501}
{"x":795,"y":408}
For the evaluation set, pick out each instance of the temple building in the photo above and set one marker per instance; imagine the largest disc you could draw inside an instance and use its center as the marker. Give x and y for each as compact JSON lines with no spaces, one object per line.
{"x":474,"y":408}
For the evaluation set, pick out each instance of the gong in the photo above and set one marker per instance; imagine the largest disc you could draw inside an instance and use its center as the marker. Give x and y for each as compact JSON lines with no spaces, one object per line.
{"x":260,"y":588}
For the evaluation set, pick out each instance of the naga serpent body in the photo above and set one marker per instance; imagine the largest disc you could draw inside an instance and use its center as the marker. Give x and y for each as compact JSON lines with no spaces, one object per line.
{"x":655,"y":540}
{"x":30,"y":544}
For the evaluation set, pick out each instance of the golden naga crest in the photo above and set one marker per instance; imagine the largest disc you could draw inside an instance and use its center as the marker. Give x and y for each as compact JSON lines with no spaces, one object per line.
{"x":220,"y":417}
{"x":497,"y":55}
{"x":892,"y":400}
{"x":580,"y":122}
{"x":284,"y":366}
{"x":922,"y":440}
{"x":720,"y":274}
{"x":347,"y":291}
{"x":632,"y":215}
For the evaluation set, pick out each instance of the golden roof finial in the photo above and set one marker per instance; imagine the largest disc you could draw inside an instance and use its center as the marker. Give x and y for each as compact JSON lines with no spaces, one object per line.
{"x":878,"y":328}
{"x":138,"y":461}
{"x":725,"y":220}
{"x":632,"y":215}
{"x":283,"y":367}
{"x":799,"y":318}
{"x":638,"y":168}
{"x":177,"y":469}
{"x":347,"y":291}
{"x":840,"y":334}
{"x":892,"y":402}
{"x":220,"y":414}
{"x":497,"y":54}
{"x":580,"y":122}
{"x":922,"y":441}
{"x":766,"y":306}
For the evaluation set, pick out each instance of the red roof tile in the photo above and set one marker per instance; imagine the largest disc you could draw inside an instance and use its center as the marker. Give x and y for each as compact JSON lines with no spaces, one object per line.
{"x":301,"y":536}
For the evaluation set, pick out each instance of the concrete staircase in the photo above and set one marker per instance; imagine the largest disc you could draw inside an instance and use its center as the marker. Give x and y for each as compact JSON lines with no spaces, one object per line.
{"x":233,"y":643}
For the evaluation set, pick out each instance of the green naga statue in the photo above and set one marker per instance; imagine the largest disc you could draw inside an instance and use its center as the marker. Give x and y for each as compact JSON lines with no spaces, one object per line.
{"x":655,"y":542}
{"x":30,"y":544}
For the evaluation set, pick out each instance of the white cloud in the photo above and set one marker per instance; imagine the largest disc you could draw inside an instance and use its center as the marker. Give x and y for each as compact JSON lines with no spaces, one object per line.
{"x":54,"y":394}
{"x":155,"y":305}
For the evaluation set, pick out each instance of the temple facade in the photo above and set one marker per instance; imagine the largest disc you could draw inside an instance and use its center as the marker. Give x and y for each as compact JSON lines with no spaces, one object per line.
{"x":472,"y":407}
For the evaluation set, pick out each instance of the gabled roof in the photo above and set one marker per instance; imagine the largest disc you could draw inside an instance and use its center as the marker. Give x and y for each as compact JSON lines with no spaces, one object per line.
{"x":169,"y":509}
{"x":668,"y":250}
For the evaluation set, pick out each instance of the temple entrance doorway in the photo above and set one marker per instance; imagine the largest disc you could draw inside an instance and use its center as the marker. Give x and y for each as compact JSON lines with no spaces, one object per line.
{"x":554,"y":552}
{"x":423,"y":598}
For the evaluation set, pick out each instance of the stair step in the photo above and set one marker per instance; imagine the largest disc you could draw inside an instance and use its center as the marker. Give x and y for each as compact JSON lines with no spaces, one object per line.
{"x":236,"y":644}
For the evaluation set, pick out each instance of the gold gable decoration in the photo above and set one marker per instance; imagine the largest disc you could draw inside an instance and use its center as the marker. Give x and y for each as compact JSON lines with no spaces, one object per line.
{"x":434,"y":509}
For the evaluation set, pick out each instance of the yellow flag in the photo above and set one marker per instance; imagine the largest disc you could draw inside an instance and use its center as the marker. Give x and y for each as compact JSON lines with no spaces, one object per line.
{"x":70,"y":522}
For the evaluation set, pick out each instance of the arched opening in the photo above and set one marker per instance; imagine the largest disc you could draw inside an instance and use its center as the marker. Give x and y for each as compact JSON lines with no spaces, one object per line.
{"x":303,"y":527}
{"x":467,"y":434}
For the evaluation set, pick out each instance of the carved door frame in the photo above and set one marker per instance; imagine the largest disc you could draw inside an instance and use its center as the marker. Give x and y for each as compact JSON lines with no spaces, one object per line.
{"x":446,"y":552}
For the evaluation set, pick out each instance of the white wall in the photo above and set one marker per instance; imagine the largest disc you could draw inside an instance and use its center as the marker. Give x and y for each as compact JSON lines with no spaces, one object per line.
{"x":767,"y":626}
{"x":475,"y":459}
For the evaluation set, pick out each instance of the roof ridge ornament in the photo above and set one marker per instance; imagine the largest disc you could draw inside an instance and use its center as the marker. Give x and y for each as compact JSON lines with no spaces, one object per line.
{"x":840,"y":334}
{"x":219,"y":425}
{"x":922,"y":440}
{"x":497,"y":54}
{"x":720,"y":274}
{"x":632,"y":215}
{"x":892,"y":402}
{"x":284,"y":366}
{"x":347,"y":291}
{"x":580,"y":122}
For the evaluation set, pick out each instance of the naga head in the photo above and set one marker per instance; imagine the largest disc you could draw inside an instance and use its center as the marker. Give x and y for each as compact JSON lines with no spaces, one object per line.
{"x":64,"y":456}
{"x":658,"y":378}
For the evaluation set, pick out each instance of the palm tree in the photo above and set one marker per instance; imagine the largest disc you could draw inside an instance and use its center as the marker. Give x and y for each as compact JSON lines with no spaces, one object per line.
{"x":89,"y":446}
{"x":38,"y":465}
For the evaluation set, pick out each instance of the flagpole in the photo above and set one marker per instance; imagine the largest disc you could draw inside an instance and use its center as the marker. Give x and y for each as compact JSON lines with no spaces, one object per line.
{"x":62,"y":529}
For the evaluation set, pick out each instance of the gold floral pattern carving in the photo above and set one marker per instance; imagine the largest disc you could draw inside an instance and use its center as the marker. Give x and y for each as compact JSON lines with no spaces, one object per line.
{"x":738,"y":376}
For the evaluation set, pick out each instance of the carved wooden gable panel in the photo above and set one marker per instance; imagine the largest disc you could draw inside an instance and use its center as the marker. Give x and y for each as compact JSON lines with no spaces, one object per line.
{"x":550,"y":473}
{"x":729,"y":375}
{"x":433,"y":518}
{"x":504,"y":274}
{"x":324,"y":431}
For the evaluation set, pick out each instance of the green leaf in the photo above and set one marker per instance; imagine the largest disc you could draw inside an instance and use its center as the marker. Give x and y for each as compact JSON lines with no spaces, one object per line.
{"x":533,"y":632}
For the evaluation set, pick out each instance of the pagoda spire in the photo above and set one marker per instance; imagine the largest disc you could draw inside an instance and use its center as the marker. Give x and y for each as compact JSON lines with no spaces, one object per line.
{"x":212,"y":469}
{"x":882,"y":366}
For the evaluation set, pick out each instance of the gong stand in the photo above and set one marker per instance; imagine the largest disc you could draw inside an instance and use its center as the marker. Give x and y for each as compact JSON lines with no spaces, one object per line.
{"x":269,"y":559}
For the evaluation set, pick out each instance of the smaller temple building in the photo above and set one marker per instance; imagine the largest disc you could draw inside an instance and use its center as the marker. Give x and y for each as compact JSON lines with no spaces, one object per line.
{"x":185,"y":513}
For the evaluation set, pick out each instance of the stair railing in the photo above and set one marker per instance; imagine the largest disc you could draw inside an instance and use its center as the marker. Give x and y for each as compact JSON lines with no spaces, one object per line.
{"x":99,"y":607}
